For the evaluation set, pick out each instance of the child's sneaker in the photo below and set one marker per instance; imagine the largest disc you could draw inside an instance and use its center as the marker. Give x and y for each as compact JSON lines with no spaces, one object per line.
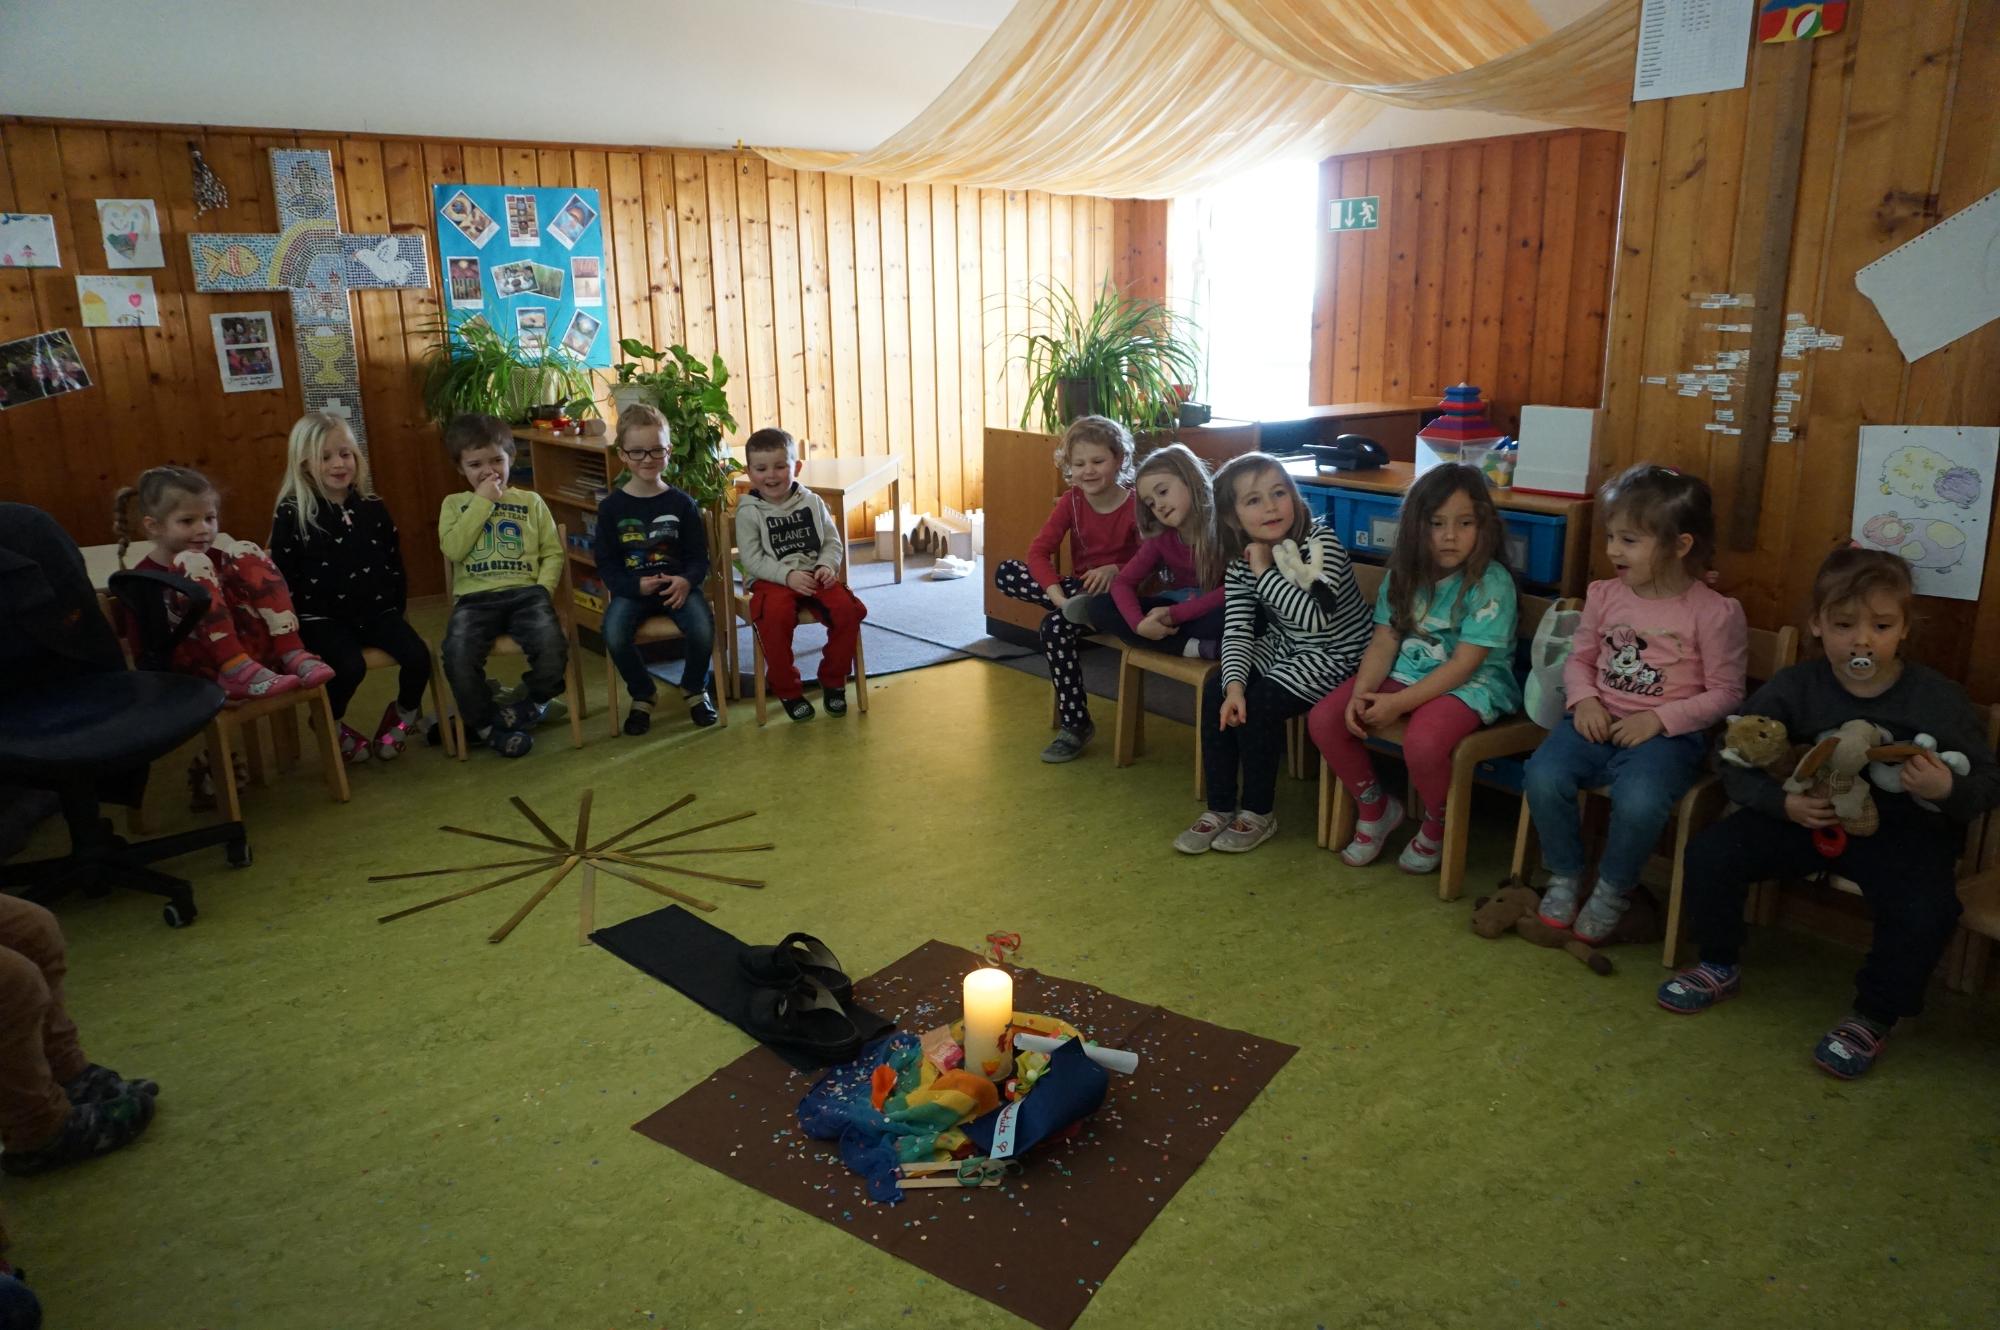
{"x":1601,"y":913}
{"x":701,"y":710}
{"x":639,"y":720}
{"x":90,"y":1130}
{"x":1850,"y":1048}
{"x":523,"y":715}
{"x":797,"y":707}
{"x":1198,"y":838}
{"x":307,"y":668}
{"x":1068,"y":744}
{"x":392,"y":734}
{"x":97,"y":1084}
{"x":250,"y":681}
{"x":1700,"y":988}
{"x":1559,"y":901}
{"x":353,"y":745}
{"x":834,"y":700}
{"x":1421,"y":855}
{"x":1077,"y":610}
{"x":1369,"y":837}
{"x":1246,"y":832}
{"x":511,"y":743}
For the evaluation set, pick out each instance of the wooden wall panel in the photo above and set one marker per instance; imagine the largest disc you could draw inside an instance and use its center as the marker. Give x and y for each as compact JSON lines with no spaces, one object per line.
{"x":864,"y":316}
{"x":1900,"y":132}
{"x":1492,"y":265}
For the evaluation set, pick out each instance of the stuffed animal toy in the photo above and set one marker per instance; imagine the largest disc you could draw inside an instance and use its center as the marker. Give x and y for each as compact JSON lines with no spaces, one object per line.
{"x":1832,"y":769}
{"x":1760,"y":744}
{"x":1514,"y":907}
{"x":1889,"y":775}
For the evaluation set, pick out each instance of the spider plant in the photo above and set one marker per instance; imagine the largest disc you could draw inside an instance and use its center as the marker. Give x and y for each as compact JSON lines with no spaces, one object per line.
{"x":1123,"y":357}
{"x":474,"y":368}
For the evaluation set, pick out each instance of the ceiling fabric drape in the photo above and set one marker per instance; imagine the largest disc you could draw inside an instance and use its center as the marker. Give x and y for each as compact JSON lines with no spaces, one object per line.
{"x":1153,"y":98}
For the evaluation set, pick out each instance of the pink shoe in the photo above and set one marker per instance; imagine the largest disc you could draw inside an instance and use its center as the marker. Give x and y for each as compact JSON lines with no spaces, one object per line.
{"x":353,"y":745}
{"x":307,"y":668}
{"x":250,"y":681}
{"x":390,"y":735}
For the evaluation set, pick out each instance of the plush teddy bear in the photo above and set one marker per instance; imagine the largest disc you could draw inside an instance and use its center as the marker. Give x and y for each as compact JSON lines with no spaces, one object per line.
{"x":1889,"y":775}
{"x":1832,"y":769}
{"x":1760,"y":743}
{"x":1515,"y":906}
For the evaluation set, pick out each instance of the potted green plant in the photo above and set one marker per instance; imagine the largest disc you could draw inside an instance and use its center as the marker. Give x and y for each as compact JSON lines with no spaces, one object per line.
{"x":473,"y":368}
{"x":690,"y":395}
{"x":1123,"y":357}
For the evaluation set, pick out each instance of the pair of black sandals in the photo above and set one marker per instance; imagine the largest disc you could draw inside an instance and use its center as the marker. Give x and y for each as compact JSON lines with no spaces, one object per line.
{"x":801,"y":999}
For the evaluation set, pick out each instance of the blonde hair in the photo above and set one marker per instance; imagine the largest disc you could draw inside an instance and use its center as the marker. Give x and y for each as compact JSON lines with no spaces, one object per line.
{"x":301,"y":482}
{"x":156,"y":492}
{"x":1235,"y":474}
{"x":1103,"y":431}
{"x":1177,"y":460}
{"x":641,"y":416}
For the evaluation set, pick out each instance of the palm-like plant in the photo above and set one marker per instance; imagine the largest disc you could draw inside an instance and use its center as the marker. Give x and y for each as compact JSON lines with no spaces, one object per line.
{"x":1123,"y":357}
{"x":475,"y":369}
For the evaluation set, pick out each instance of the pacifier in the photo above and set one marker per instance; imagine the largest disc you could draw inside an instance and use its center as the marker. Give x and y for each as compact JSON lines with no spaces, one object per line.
{"x":1861,"y":667}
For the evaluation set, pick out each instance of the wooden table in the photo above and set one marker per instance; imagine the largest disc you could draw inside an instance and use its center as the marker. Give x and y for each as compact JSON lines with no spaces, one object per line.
{"x":858,"y":478}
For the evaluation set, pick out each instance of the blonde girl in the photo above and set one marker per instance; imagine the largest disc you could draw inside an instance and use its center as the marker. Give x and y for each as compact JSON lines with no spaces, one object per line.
{"x":248,"y":638}
{"x":1099,"y":516}
{"x":1294,"y":625}
{"x":336,"y":544}
{"x":1177,"y":523}
{"x":1441,"y":660}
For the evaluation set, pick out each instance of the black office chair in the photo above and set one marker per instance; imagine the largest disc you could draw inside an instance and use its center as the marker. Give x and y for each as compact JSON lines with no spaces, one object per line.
{"x":74,"y":720}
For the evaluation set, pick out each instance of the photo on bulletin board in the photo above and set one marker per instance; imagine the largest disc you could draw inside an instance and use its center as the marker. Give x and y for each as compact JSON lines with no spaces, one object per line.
{"x":550,"y":267}
{"x":45,"y":365}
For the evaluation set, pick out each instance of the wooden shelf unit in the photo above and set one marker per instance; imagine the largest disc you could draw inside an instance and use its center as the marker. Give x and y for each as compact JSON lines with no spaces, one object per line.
{"x":578,"y":461}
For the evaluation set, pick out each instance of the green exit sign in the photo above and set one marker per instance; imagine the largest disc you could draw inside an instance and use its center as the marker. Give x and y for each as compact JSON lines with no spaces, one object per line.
{"x":1362,"y":214}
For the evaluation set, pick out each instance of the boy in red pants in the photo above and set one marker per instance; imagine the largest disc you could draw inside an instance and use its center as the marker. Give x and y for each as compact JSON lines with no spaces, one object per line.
{"x":791,"y":552}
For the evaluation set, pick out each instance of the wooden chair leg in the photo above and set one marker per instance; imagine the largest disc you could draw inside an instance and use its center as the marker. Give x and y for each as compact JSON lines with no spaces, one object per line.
{"x":611,"y":695}
{"x":860,"y":677}
{"x":757,"y":675}
{"x":320,"y":712}
{"x":1457,"y":832}
{"x":1973,"y":961}
{"x":1131,"y":702}
{"x":251,"y":738}
{"x":1323,"y":823}
{"x":285,"y":738}
{"x":1524,"y":829}
{"x":222,"y":738}
{"x":1342,"y":817}
{"x":439,"y":692}
{"x":717,"y":660}
{"x":574,"y":682}
{"x":1200,"y":772}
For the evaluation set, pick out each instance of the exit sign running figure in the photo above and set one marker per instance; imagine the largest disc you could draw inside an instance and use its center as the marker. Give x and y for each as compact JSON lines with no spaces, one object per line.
{"x":1362,"y":214}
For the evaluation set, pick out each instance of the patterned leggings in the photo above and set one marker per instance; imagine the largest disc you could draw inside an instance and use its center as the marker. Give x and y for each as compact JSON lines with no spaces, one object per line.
{"x":1059,"y":637}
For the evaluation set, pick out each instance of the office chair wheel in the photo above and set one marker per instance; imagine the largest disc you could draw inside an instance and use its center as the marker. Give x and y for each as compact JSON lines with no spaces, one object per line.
{"x":239,"y":853}
{"x":180,"y":912}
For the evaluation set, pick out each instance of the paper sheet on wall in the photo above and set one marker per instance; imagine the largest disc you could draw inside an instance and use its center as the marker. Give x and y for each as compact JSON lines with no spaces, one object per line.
{"x":1690,"y":46}
{"x":1926,"y":492}
{"x":1943,"y":284}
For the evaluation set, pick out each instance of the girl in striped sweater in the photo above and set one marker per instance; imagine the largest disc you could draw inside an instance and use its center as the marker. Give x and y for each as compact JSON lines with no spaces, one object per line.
{"x":1294,"y":627}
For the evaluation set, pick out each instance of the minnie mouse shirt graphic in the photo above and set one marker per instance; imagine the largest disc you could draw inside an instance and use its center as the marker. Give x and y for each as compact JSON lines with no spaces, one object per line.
{"x":1681,"y":658}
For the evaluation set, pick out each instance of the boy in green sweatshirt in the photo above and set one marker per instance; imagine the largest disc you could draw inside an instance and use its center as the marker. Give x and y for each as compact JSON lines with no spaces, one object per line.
{"x":506,"y":561}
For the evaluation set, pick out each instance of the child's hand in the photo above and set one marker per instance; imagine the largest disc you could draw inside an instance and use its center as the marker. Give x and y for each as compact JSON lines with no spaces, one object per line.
{"x":1927,"y":777}
{"x":1352,"y":717}
{"x":651,"y":583}
{"x":1234,"y":709}
{"x":1157,"y":625}
{"x":801,"y":582}
{"x":1098,"y":580}
{"x":1381,"y":710}
{"x":1635,"y":729}
{"x":1810,"y":812}
{"x":490,"y":489}
{"x":676,"y":590}
{"x":823,"y":575}
{"x":1592,"y":721}
{"x":1258,"y":554}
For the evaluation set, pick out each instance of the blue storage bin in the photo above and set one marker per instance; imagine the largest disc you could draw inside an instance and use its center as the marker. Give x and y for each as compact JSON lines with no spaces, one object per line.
{"x":1366,"y":525}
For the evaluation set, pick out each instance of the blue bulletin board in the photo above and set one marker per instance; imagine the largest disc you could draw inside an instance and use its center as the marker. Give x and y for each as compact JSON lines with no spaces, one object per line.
{"x":528,"y":260}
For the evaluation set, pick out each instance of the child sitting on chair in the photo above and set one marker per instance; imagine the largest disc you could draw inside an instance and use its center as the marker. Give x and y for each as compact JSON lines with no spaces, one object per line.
{"x":506,"y":562}
{"x":1906,"y":868}
{"x":791,"y":550}
{"x":652,"y":552}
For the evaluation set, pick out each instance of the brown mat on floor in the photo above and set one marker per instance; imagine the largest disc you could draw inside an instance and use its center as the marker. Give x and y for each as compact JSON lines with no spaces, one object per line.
{"x":1042,"y":1244}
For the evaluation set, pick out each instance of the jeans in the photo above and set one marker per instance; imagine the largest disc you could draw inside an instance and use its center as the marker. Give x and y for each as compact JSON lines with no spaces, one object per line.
{"x":525,"y":614}
{"x":339,"y":642}
{"x":622,"y":620}
{"x":1255,"y":748}
{"x":1646,"y":782}
{"x":1907,"y":872}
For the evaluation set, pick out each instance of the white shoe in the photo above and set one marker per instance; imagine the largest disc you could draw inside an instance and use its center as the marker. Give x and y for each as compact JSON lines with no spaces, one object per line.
{"x":1418,"y":857}
{"x":1369,"y":837}
{"x":1246,"y":832}
{"x":1197,"y":838}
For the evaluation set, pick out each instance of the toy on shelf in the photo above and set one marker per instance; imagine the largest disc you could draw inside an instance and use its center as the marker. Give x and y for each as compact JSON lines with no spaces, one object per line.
{"x":1462,"y":433}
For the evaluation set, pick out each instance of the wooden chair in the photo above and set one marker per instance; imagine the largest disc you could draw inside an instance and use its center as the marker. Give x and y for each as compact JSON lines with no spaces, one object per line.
{"x":659,"y":628}
{"x":1506,"y":738}
{"x":285,"y":732}
{"x":1135,"y":663}
{"x":456,"y":740}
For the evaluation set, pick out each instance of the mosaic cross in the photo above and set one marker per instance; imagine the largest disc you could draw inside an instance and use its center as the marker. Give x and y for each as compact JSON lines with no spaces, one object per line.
{"x":317,"y":264}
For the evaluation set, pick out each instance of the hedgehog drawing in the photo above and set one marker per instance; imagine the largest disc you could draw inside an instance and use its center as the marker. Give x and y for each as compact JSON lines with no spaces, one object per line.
{"x":1924,"y":476}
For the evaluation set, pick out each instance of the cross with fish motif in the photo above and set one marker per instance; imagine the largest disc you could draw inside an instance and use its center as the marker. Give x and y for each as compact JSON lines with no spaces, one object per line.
{"x":317,"y":264}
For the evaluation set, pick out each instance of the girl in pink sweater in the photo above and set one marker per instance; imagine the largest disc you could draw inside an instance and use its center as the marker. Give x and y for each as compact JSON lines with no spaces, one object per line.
{"x":1098,"y":516}
{"x":1656,"y":661}
{"x":1177,"y":518}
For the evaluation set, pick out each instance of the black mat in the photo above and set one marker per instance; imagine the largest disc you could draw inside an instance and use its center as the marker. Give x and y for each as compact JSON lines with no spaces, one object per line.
{"x":700,"y":962}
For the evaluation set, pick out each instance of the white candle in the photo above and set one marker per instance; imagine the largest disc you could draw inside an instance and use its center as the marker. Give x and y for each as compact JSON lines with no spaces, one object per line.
{"x":989,"y":1010}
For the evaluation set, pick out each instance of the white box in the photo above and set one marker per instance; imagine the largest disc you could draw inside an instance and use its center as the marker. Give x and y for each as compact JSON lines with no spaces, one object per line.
{"x":1556,"y":444}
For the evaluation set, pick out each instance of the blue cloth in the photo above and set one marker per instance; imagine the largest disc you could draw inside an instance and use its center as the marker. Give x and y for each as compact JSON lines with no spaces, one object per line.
{"x":840,"y":1108}
{"x":1646,"y":782}
{"x":622,"y":619}
{"x":1069,"y":1091}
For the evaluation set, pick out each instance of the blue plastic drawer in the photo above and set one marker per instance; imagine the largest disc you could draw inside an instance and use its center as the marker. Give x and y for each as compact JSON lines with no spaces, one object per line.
{"x":1366,"y":524}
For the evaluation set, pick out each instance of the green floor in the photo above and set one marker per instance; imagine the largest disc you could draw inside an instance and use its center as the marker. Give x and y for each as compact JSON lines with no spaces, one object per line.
{"x":402,"y":1126}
